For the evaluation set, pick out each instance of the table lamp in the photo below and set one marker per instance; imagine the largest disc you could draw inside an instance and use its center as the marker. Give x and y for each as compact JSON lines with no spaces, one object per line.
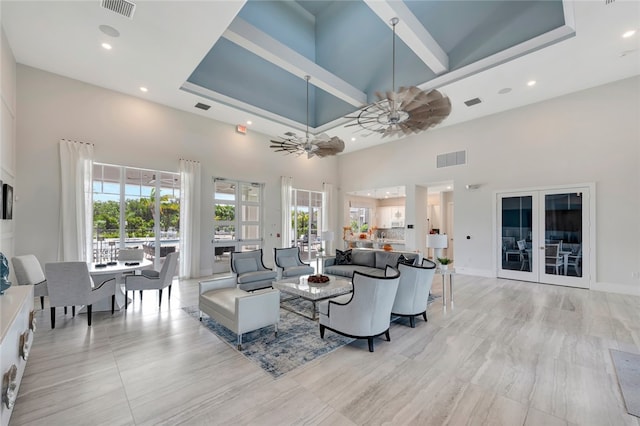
{"x":437,"y":242}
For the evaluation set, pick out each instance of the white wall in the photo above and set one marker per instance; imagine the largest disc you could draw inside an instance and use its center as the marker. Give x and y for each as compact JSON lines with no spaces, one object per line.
{"x":130,"y":131}
{"x":7,"y":138}
{"x":588,"y":136}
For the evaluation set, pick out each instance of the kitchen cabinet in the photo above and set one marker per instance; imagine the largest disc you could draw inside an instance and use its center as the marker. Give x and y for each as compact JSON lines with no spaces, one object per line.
{"x":390,"y":217}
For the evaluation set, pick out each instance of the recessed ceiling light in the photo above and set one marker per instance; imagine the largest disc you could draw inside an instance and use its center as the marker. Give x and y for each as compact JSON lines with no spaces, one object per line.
{"x":628,"y":34}
{"x":353,"y":139}
{"x":249,"y":122}
{"x":531,"y":83}
{"x":448,"y":187}
{"x":106,"y":46}
{"x":143,"y":89}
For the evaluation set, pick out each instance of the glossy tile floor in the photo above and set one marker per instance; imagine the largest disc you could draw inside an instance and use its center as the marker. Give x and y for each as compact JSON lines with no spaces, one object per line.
{"x":507,"y":353}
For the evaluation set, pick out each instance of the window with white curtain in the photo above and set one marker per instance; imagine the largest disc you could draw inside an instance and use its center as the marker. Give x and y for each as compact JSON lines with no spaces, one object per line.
{"x":134,"y":208}
{"x":306,"y":222}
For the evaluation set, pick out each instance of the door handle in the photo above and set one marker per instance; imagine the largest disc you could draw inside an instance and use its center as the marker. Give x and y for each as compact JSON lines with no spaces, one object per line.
{"x":542,"y":248}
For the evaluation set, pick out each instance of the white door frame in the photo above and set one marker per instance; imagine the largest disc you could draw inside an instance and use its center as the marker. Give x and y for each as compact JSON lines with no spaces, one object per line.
{"x":589,"y":236}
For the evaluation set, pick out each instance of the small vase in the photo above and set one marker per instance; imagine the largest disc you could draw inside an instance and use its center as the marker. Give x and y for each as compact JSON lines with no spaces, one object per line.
{"x":444,"y":267}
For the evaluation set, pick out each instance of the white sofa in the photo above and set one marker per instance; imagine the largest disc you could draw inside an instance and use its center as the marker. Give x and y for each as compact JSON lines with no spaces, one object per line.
{"x":239,"y":310}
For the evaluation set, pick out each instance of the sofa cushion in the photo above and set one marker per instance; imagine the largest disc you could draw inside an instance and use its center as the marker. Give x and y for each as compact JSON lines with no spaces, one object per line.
{"x":243,"y":266}
{"x":296,"y":271}
{"x":288,"y":262}
{"x":386,"y":258}
{"x":250,"y":277}
{"x":343,"y":257}
{"x":364,"y":258}
{"x":347,"y":270}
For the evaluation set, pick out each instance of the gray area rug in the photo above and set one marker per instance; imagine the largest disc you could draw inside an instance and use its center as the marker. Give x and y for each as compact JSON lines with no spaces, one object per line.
{"x":298,"y":340}
{"x":628,"y":371}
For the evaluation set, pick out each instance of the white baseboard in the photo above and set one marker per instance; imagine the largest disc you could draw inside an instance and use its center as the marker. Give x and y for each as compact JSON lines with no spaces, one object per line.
{"x":633,"y":290}
{"x":487,"y":273}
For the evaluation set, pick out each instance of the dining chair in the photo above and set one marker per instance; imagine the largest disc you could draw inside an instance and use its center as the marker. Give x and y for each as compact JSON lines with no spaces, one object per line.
{"x":524,"y":255}
{"x":575,"y":260}
{"x":552,"y":257}
{"x":70,"y":284}
{"x":29,"y":272}
{"x":151,"y":279}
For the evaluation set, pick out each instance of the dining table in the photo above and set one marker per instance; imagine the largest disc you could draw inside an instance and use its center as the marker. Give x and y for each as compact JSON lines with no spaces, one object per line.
{"x":101,"y":272}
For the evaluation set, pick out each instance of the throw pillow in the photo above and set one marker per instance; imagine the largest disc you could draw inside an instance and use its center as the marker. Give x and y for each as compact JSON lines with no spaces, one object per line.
{"x":245,"y":265}
{"x":406,"y":261}
{"x":343,"y":257}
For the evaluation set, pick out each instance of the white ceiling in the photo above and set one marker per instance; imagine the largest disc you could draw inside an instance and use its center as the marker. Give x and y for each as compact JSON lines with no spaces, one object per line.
{"x":166,"y":40}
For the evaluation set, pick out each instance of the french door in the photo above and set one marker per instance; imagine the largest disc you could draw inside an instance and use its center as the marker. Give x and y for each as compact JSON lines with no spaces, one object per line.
{"x":237,"y":220}
{"x":545,"y":236}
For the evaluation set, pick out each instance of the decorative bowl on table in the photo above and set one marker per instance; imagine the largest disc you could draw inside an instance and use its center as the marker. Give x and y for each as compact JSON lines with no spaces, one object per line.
{"x":318,"y":279}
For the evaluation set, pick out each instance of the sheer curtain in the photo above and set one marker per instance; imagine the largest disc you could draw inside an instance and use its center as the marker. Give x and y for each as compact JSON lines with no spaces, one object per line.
{"x":190,"y":195}
{"x":76,"y":201}
{"x":286,"y":186}
{"x":328,"y":219}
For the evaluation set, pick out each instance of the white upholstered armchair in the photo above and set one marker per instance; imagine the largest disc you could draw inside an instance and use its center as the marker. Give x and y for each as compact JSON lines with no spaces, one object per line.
{"x":413,"y":291}
{"x":365,"y":313}
{"x":251,"y":274}
{"x":288,"y":260}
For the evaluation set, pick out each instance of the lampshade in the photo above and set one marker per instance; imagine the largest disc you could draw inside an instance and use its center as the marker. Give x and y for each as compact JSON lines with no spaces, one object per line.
{"x":327,"y":236}
{"x":437,"y":241}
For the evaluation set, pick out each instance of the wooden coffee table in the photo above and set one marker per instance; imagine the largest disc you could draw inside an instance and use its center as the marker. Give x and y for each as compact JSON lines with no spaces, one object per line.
{"x":300,"y":287}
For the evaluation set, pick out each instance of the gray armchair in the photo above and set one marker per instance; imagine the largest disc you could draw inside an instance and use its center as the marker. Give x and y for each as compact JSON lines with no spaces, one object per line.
{"x":71,"y":285}
{"x":29,"y":272}
{"x":413,"y":291}
{"x":288,"y":260}
{"x":153,"y":280}
{"x":251,"y":274}
{"x":365,"y":313}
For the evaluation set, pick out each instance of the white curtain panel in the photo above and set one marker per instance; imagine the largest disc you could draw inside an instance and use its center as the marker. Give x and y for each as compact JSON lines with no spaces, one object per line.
{"x":76,"y":201}
{"x":286,"y":187}
{"x":190,"y":195}
{"x":328,"y":219}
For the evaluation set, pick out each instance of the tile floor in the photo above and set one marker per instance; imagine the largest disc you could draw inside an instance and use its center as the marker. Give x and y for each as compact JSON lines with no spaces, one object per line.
{"x":507,"y":353}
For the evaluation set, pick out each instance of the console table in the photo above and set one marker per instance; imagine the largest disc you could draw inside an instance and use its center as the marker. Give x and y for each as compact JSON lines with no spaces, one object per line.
{"x":17,"y":325}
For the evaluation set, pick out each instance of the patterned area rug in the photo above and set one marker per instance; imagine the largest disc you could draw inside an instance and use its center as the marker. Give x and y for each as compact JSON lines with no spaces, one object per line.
{"x":628,"y":371}
{"x":298,"y":340}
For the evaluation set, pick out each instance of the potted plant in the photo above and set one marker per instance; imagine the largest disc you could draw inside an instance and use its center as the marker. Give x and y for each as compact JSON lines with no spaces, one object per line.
{"x":444,"y":262}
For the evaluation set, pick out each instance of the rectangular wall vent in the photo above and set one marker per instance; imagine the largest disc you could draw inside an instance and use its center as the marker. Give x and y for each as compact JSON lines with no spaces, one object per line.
{"x":451,"y":159}
{"x":121,"y":7}
{"x":472,"y":102}
{"x":203,"y":106}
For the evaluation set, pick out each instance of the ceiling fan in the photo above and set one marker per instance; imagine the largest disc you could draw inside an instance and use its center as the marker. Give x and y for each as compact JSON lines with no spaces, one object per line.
{"x":322,"y":145}
{"x":409,"y":110}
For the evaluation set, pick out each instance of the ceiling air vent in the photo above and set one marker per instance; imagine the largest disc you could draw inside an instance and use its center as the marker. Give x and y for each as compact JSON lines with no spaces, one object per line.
{"x":121,"y":7}
{"x":472,"y":102}
{"x":203,"y":106}
{"x":451,"y":159}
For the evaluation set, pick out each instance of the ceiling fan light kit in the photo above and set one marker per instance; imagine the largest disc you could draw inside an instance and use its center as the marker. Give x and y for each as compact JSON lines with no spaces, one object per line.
{"x":409,"y":110}
{"x":320,"y":146}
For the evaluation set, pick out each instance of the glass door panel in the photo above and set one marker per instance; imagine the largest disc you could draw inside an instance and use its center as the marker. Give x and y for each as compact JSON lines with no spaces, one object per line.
{"x":516,"y":220}
{"x":564,"y":225}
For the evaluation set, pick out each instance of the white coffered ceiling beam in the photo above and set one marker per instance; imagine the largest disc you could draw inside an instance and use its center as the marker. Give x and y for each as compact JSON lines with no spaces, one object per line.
{"x":260,"y":43}
{"x":411,"y":31}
